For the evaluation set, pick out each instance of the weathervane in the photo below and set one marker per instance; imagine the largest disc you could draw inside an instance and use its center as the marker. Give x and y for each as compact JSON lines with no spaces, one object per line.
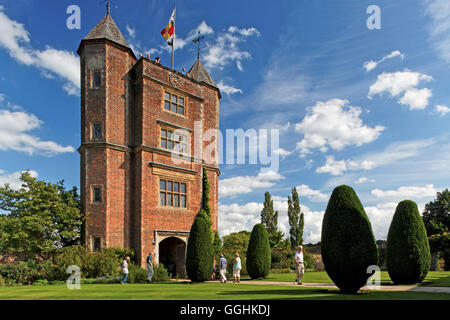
{"x":197,"y":41}
{"x":107,"y":5}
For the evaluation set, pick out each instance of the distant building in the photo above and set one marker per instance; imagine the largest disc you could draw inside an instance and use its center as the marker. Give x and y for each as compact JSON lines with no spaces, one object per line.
{"x":133,"y":114}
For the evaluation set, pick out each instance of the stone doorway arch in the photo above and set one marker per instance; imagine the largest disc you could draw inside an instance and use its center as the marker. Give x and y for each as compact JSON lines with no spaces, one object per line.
{"x":171,"y":251}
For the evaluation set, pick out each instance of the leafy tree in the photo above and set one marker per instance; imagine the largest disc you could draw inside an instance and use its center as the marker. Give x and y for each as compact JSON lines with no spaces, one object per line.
{"x":436,"y":215}
{"x":407,"y":251}
{"x":42,"y":217}
{"x":296,"y":220}
{"x":269,"y":219}
{"x":258,"y":253}
{"x":199,"y":255}
{"x":217,"y":244}
{"x":347,"y":243}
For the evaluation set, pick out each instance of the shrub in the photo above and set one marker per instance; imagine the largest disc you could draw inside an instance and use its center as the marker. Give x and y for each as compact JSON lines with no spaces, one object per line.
{"x":408,"y":255}
{"x":136,"y":274}
{"x":348,"y":245}
{"x":67,"y":256}
{"x":15,"y":273}
{"x":160,"y":273}
{"x":199,"y":256}
{"x":258,"y":253}
{"x":101,"y":264}
{"x":2,"y":282}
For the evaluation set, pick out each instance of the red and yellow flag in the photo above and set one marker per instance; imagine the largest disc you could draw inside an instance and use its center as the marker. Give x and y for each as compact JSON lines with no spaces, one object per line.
{"x":168,"y":31}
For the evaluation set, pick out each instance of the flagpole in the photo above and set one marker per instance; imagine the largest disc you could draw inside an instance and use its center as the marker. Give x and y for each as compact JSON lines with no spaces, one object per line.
{"x":173,"y":39}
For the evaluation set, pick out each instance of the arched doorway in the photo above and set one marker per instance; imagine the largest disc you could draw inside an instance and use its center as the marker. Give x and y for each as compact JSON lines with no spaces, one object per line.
{"x":172,"y":253}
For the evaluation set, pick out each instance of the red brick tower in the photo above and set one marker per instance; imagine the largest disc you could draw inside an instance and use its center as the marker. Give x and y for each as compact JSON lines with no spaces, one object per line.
{"x":141,"y":168}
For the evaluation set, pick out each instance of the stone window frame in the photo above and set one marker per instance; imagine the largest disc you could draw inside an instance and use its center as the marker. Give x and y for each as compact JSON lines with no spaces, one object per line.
{"x":178,"y":96}
{"x":93,"y":124}
{"x":173,"y":193}
{"x":92,"y":241}
{"x":92,"y":82}
{"x":174,"y":131}
{"x":93,"y":187}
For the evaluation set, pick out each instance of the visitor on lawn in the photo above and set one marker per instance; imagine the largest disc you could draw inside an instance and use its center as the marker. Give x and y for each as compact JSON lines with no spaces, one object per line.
{"x":237,"y":268}
{"x":223,"y":268}
{"x":299,"y":262}
{"x":125,"y":270}
{"x":149,"y":267}
{"x":213,"y":276}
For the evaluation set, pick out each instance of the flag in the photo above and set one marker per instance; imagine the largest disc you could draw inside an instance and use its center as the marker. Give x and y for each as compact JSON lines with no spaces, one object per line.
{"x":168,"y":31}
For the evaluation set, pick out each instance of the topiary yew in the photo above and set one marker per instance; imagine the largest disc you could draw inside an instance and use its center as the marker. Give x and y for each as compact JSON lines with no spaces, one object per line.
{"x":408,"y":255}
{"x":348,"y":245}
{"x":199,"y":255}
{"x":258,"y":253}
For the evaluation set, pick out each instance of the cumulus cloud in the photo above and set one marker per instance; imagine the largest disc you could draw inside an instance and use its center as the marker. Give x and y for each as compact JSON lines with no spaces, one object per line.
{"x":313,"y":195}
{"x":181,"y":42}
{"x":335,"y":124}
{"x":131,"y":31}
{"x":61,"y":63}
{"x":283,"y":153}
{"x":380,"y":217}
{"x":229,"y":90}
{"x":441,"y":110}
{"x":406,"y":192}
{"x":370,"y":65}
{"x":246,"y":184}
{"x":363,"y":180}
{"x":403,"y":83}
{"x":338,"y":167}
{"x":13,"y":179}
{"x":14,"y":135}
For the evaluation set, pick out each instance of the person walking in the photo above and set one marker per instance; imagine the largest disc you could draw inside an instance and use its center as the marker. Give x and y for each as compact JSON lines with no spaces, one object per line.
{"x":125,"y":270}
{"x":300,"y":267}
{"x":223,"y":268}
{"x":150,"y":271}
{"x":237,"y":266}
{"x":213,"y":275}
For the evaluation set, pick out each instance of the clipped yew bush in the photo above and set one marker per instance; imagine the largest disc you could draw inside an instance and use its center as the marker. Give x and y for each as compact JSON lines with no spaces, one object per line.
{"x":199,"y":255}
{"x":258,"y":253}
{"x":347,"y":244}
{"x":408,"y":255}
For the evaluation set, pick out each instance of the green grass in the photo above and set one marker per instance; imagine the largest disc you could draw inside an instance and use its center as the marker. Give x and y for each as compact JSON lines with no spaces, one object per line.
{"x":204,"y":291}
{"x":433,"y":279}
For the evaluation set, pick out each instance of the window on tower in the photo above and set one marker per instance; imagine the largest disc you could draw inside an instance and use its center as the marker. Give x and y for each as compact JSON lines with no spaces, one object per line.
{"x":174,"y":140}
{"x":172,"y":194}
{"x":174,"y":103}
{"x":97,"y":244}
{"x":97,"y":79}
{"x":97,"y":131}
{"x":97,"y":194}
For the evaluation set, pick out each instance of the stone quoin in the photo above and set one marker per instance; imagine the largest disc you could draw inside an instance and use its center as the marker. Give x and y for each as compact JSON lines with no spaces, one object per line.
{"x":134,"y":112}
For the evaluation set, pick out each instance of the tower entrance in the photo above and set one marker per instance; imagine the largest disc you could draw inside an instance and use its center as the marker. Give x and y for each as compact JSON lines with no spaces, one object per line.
{"x":172,"y":253}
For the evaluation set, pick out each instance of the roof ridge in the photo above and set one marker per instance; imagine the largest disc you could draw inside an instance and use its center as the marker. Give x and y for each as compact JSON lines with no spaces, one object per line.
{"x":107,"y":29}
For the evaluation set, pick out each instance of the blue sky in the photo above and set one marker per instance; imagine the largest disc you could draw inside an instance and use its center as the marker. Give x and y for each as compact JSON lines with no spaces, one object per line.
{"x":367,"y":108}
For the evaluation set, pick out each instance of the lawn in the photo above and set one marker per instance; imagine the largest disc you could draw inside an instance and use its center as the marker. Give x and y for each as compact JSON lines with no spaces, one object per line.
{"x":204,"y":291}
{"x":433,"y":279}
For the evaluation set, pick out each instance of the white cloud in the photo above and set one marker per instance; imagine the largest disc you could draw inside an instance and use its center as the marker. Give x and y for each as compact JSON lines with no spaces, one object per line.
{"x":333,"y":123}
{"x":392,"y":153}
{"x":380,"y":217}
{"x":439,"y":28}
{"x":338,"y":167}
{"x":406,"y":192}
{"x":363,"y":180}
{"x":403,"y":82}
{"x":370,"y":65}
{"x":180,"y":43}
{"x":13,"y":179}
{"x":14,"y":128}
{"x":225,"y":48}
{"x":131,"y":31}
{"x":416,"y":98}
{"x":311,"y":194}
{"x":246,"y":184}
{"x":283,"y":153}
{"x":441,"y":110}
{"x":15,"y":39}
{"x":229,"y":90}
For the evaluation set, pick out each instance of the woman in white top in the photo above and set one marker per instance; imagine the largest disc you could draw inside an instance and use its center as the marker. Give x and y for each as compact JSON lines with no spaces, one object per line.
{"x":237,"y":268}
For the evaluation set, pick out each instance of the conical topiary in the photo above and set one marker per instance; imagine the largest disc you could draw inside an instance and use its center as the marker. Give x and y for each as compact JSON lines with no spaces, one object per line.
{"x":408,"y":255}
{"x":348,"y":245}
{"x":199,"y":255}
{"x":258,"y":253}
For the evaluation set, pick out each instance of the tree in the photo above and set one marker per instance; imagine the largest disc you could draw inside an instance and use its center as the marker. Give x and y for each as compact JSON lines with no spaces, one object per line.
{"x":217,"y":244}
{"x":205,"y":193}
{"x":269,"y":219}
{"x":407,"y":251}
{"x":436,"y":215}
{"x":42,"y":217}
{"x":258,"y":253}
{"x":296,"y":220}
{"x":347,"y":244}
{"x":199,"y":255}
